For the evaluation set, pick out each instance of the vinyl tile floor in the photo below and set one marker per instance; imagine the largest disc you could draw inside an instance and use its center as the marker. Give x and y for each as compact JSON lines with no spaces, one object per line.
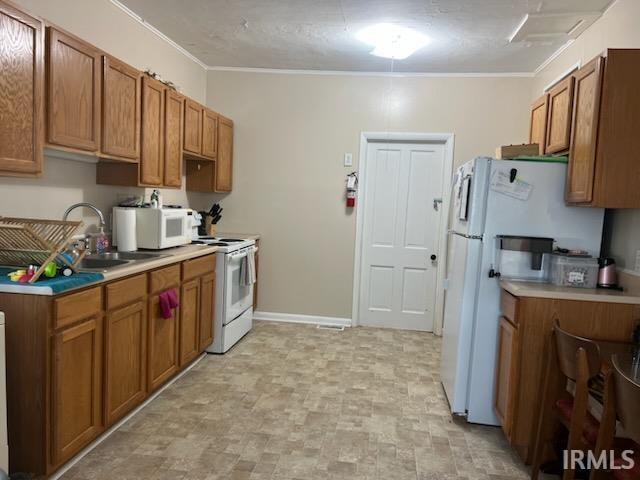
{"x":297,"y":402}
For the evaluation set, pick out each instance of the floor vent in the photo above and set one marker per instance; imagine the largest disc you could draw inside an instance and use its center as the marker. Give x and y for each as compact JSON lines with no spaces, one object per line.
{"x":337,"y":328}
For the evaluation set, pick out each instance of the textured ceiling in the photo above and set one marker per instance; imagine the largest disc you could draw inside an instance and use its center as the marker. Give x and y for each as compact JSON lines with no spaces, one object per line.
{"x":467,"y":35}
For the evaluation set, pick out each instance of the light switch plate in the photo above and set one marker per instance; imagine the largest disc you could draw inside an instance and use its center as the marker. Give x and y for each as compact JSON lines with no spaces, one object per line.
{"x":637,"y":260}
{"x":348,"y":160}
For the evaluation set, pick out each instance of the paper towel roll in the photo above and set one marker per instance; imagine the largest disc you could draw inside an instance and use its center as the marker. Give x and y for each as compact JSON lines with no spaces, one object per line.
{"x":126,"y":229}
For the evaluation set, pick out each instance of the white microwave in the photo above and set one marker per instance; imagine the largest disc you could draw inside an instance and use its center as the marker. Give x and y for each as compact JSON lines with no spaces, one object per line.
{"x":158,"y":228}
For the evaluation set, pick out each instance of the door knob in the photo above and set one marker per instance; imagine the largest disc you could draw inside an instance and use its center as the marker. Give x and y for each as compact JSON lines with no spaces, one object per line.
{"x":433,"y":258}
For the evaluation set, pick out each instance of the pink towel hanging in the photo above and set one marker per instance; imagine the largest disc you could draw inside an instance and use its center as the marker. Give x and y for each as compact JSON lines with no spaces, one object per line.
{"x":168,"y":302}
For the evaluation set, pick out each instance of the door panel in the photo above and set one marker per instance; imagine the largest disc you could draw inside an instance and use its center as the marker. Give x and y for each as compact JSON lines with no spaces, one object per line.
{"x":189,"y":317}
{"x":506,"y":375}
{"x":76,"y":388}
{"x":126,"y":359}
{"x":193,"y":114}
{"x":163,"y":344}
{"x":401,"y":230}
{"x":152,"y":150}
{"x":584,"y":132}
{"x":207,"y":309}
{"x":538,"y":123}
{"x":120,"y":109}
{"x":560,"y":110}
{"x":224,"y":163}
{"x":21,"y":73}
{"x":209,"y":134}
{"x":73,"y":92}
{"x":173,"y":132}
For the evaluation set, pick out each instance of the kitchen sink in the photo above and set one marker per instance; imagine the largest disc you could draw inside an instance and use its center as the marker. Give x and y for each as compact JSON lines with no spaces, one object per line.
{"x":90,"y":263}
{"x":109,"y":260}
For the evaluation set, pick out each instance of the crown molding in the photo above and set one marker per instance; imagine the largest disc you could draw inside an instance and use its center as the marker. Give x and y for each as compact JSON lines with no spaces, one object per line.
{"x":158,"y":33}
{"x":371,"y":74}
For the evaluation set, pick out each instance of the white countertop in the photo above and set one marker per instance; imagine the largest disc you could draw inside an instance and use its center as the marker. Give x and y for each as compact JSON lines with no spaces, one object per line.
{"x":173,"y":255}
{"x":547,"y":290}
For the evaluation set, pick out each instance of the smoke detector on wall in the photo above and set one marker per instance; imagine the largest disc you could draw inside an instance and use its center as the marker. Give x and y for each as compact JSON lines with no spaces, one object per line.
{"x":543,"y":28}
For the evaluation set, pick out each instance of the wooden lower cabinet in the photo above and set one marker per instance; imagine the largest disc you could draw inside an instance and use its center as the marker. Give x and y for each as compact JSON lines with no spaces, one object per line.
{"x":207,"y":309}
{"x":87,"y":358}
{"x":126,"y":359}
{"x":525,"y":333}
{"x":504,"y":403}
{"x":163,"y":344}
{"x":76,"y":388}
{"x":189,"y":321}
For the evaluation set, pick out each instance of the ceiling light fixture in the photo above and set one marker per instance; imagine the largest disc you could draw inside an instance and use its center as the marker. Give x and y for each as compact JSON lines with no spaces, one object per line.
{"x":392,"y":41}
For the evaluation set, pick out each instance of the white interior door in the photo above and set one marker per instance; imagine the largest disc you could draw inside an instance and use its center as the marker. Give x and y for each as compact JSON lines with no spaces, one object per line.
{"x":398,"y":278}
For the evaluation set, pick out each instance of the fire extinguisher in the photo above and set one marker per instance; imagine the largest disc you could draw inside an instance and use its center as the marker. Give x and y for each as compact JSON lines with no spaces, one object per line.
{"x":352,"y":188}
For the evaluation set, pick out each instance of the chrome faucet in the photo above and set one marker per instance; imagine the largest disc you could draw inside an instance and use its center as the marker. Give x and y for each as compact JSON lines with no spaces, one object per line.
{"x":86,"y":240}
{"x":88,"y":205}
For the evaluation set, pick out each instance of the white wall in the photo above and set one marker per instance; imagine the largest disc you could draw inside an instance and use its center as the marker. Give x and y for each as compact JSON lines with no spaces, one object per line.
{"x":292,"y":131}
{"x":65,"y":182}
{"x":618,"y":28}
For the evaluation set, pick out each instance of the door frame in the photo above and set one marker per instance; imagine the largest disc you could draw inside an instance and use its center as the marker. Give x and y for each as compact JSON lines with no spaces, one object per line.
{"x":446,"y":139}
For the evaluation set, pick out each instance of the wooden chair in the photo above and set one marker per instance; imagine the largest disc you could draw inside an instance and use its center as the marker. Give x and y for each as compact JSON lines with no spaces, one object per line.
{"x":570,"y":358}
{"x":621,"y":402}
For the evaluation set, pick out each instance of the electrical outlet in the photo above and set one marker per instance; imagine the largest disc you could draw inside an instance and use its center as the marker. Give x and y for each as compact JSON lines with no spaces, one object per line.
{"x":637,"y":260}
{"x":348,"y":160}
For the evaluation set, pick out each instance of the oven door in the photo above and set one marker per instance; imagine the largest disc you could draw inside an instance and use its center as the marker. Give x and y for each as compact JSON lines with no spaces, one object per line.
{"x":238,"y":297}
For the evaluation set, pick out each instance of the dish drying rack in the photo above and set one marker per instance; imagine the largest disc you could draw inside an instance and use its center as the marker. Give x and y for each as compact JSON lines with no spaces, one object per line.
{"x":29,"y":241}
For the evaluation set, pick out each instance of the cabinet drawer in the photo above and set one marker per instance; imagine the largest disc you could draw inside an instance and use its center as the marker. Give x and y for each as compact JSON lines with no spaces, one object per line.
{"x":164,"y":278}
{"x":77,"y":306}
{"x":509,"y":306}
{"x":198,"y":267}
{"x":126,"y":291}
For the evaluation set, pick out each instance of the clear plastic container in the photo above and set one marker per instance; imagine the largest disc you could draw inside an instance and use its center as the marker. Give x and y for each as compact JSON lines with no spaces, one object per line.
{"x":581,"y":272}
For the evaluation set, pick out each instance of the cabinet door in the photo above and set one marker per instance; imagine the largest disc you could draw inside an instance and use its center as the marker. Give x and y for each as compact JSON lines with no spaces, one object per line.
{"x":163,"y":344}
{"x":584,"y":132}
{"x":538,"y":123}
{"x":152,"y":148}
{"x":193,"y":113}
{"x":126,"y":359}
{"x":209,"y":134}
{"x":120,"y":110}
{"x":173,"y":134}
{"x":73,"y":92}
{"x":76,"y":388}
{"x":560,"y":111}
{"x":506,"y":375}
{"x":189,"y":320}
{"x":224,"y":164}
{"x":207,"y":309}
{"x":21,"y":92}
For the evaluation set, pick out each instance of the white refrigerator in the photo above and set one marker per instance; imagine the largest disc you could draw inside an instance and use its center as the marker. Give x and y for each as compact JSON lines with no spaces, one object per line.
{"x":489,"y":198}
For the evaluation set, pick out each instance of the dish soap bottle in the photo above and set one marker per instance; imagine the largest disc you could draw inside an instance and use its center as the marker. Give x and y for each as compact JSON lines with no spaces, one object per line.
{"x":156,"y":199}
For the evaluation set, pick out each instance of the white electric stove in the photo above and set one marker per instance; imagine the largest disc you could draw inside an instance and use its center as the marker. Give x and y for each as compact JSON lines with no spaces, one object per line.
{"x":234,"y":299}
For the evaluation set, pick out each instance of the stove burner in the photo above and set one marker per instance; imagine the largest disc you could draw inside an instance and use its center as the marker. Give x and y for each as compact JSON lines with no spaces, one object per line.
{"x":231,"y":240}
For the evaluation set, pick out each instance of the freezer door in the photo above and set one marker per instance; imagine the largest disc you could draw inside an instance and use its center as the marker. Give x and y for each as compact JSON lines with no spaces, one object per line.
{"x":469,"y":195}
{"x":460,"y":299}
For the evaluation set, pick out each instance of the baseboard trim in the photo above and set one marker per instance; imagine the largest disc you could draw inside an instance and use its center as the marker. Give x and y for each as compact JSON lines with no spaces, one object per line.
{"x":67,"y":466}
{"x":299,"y":318}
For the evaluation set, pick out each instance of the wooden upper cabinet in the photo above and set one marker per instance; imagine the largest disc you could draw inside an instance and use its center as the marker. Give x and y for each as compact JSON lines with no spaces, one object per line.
{"x":73,"y":92}
{"x":584,"y":132}
{"x":193,"y":119}
{"x":559,"y":117}
{"x":152,"y":148}
{"x":224,"y":164}
{"x":538,"y":122}
{"x":76,"y":388}
{"x":120,"y":110}
{"x":209,"y":134}
{"x":21,"y":92}
{"x":173,"y":135}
